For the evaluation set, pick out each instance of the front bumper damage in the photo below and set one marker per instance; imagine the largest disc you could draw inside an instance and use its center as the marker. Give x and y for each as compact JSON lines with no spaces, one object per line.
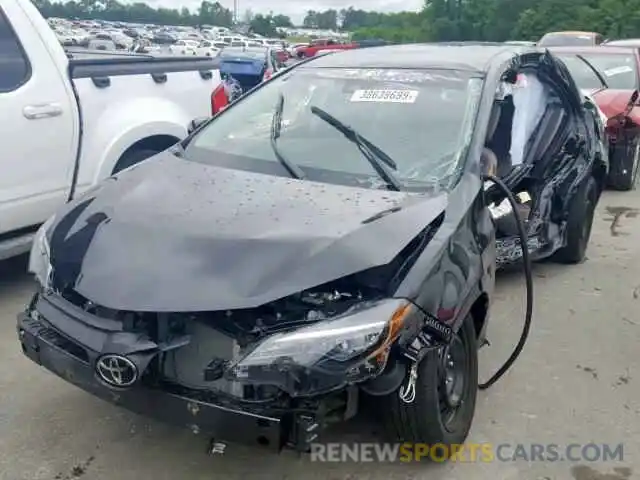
{"x":68,"y":342}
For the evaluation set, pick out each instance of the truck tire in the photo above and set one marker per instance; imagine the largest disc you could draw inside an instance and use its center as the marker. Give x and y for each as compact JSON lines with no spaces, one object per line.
{"x":625,"y":178}
{"x":580,"y":220}
{"x":131,"y":158}
{"x":446,"y":389}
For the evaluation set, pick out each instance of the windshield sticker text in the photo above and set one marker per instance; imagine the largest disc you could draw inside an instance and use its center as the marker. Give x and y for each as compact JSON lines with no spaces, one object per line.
{"x":618,"y":70}
{"x":385,"y":96}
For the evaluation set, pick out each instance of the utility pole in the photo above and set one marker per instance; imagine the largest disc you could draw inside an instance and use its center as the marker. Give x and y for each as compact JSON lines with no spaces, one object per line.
{"x":235,"y":11}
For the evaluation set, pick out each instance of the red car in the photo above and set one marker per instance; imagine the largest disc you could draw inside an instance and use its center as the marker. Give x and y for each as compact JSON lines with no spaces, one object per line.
{"x":611,"y":76}
{"x":282,"y":55}
{"x":323,"y":44}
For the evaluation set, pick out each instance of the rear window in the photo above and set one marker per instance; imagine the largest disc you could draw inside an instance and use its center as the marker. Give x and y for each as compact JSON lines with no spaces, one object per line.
{"x":583,"y":75}
{"x":619,"y":70}
{"x":101,"y":45}
{"x":420,"y":118}
{"x":230,"y":53}
{"x":15,"y":68}
{"x":566,"y":39}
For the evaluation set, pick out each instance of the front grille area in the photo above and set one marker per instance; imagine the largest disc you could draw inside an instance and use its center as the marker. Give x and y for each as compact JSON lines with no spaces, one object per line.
{"x":56,"y":339}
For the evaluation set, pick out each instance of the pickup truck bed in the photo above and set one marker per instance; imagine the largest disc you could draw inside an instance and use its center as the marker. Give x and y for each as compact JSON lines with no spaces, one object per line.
{"x":91,"y":65}
{"x":76,"y":117}
{"x":126,"y":76}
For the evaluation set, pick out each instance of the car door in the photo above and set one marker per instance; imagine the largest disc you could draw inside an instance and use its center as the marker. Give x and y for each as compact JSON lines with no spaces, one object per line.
{"x":563,"y":79}
{"x":38,"y":127}
{"x":567,"y":133}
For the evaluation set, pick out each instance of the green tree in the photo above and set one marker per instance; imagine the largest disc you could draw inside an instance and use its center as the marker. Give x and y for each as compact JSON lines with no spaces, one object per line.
{"x":263,"y":25}
{"x":282,"y":21}
{"x":439,"y":20}
{"x":310,"y":19}
{"x":211,"y":13}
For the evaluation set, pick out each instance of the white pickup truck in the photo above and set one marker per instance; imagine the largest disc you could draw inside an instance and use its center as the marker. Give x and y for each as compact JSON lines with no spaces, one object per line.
{"x":70,"y":120}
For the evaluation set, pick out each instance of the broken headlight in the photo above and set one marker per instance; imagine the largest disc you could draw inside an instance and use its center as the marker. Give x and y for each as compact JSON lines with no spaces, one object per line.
{"x":40,"y":256}
{"x":348,"y":348}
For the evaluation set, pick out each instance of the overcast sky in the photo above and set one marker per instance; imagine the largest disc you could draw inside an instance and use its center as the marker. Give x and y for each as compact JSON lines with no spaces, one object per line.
{"x":296,"y":8}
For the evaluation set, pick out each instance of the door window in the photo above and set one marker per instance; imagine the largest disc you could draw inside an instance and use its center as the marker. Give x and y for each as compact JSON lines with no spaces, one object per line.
{"x":14,"y":65}
{"x":583,"y":74}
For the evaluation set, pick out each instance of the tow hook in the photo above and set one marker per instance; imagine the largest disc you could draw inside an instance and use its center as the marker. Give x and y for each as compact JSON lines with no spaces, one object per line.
{"x":408,"y":391}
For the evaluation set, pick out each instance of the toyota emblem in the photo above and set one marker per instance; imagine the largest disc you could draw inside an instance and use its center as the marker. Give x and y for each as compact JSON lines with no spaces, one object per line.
{"x":116,"y":371}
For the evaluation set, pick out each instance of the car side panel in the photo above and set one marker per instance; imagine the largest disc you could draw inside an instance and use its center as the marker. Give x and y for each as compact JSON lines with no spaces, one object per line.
{"x":458,"y":265}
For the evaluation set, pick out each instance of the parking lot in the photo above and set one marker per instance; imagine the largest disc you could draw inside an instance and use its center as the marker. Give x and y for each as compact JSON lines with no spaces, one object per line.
{"x":578,"y":381}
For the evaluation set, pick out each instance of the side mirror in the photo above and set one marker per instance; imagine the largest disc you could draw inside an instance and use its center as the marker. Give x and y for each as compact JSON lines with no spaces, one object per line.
{"x":196,"y":123}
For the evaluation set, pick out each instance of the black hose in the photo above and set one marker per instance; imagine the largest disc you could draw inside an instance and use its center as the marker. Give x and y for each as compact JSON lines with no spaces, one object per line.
{"x":526,"y":261}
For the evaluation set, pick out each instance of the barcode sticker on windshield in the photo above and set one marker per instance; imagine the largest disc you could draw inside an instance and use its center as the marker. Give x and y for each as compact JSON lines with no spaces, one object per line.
{"x":385,"y":96}
{"x":618,"y":70}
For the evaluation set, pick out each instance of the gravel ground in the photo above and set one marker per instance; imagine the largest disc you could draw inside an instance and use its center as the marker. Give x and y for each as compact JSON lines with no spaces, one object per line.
{"x":578,"y":381}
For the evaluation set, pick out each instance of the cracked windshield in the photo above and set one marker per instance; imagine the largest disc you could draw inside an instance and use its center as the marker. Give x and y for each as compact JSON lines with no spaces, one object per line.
{"x":419,"y":119}
{"x":338,"y":240}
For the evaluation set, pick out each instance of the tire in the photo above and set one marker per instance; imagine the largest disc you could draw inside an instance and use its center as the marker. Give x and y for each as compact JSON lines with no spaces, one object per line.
{"x":626,"y":181}
{"x":423,"y":421}
{"x":579,"y":223}
{"x":131,"y":158}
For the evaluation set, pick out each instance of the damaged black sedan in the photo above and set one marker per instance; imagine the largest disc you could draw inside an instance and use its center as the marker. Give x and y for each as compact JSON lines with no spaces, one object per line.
{"x":327,"y":238}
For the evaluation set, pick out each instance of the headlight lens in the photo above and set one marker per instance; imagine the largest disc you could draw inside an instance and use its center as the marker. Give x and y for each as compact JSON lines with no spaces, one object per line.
{"x":40,"y":256}
{"x":346,"y":349}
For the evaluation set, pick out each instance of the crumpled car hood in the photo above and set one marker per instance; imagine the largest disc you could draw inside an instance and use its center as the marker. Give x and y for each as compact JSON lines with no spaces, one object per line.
{"x":175,"y":235}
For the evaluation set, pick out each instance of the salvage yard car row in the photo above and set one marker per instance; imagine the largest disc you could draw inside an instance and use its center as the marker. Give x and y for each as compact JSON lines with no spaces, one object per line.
{"x":331,"y":234}
{"x":159,"y":40}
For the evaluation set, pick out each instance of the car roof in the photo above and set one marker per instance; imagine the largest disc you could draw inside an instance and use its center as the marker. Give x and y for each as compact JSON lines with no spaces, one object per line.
{"x":613,"y":50}
{"x":469,"y":56}
{"x":572,"y":32}
{"x":240,"y":50}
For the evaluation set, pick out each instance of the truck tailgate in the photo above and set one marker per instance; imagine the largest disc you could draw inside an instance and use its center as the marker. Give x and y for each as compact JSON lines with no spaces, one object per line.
{"x":122,"y":94}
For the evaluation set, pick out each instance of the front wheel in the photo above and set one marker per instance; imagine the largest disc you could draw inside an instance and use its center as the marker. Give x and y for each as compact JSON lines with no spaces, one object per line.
{"x":446,"y":389}
{"x":580,"y":220}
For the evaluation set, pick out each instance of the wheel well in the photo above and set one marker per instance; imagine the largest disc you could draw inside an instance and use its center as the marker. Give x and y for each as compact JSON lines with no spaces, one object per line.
{"x":479,"y":311}
{"x":156,"y":143}
{"x":600,"y":174}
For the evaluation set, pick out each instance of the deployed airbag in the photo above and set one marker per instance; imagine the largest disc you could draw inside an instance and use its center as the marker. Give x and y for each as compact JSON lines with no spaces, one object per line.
{"x":530,"y":100}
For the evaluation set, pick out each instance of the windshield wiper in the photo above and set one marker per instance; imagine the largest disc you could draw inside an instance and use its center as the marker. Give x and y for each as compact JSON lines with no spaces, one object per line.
{"x":376,"y":157}
{"x":276,"y":126}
